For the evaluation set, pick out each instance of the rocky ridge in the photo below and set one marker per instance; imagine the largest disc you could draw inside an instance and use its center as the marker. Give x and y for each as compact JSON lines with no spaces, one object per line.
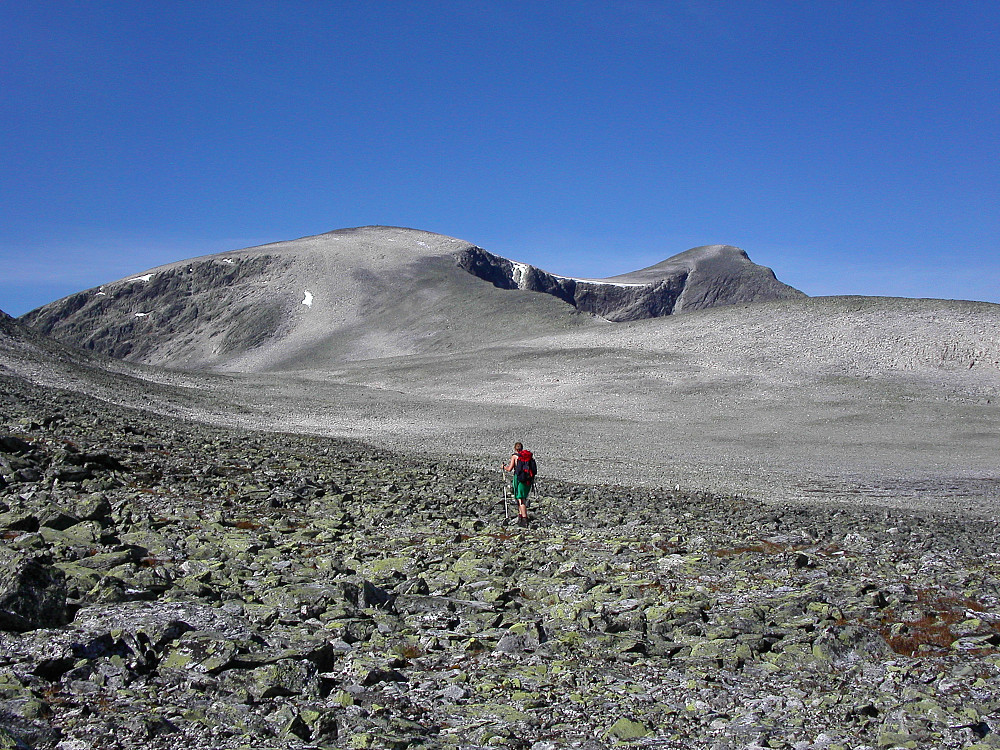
{"x":710,"y":276}
{"x":166,"y":585}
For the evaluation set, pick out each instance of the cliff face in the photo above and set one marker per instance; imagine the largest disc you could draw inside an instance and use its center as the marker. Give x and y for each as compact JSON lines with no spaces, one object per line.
{"x":708,"y":276}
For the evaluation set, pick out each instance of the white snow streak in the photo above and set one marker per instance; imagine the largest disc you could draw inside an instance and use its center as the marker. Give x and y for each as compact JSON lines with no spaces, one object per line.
{"x":308,"y":301}
{"x":521,"y":270}
{"x":141,"y":315}
{"x":598,"y":281}
{"x":147,"y":277}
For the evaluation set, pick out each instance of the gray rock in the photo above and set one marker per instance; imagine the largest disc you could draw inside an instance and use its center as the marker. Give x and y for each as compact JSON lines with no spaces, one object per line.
{"x":846,"y":645}
{"x":14,"y":445}
{"x":58,"y":519}
{"x":702,"y":277}
{"x":32,"y":594}
{"x":521,"y":638}
{"x":287,"y":677}
{"x":19,"y":521}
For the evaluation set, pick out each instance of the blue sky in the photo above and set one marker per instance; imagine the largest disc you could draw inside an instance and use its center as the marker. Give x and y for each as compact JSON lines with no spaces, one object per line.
{"x":851,"y":146}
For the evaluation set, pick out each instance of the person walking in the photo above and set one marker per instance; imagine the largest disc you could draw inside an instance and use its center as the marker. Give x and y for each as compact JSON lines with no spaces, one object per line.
{"x":522,"y":464}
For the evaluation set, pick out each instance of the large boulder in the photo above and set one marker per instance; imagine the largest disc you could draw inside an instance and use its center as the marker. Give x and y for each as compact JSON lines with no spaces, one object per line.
{"x":32,"y":594}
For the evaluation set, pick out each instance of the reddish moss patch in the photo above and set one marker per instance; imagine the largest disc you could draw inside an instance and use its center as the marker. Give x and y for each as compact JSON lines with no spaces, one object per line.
{"x":763,"y":547}
{"x":933,"y":632}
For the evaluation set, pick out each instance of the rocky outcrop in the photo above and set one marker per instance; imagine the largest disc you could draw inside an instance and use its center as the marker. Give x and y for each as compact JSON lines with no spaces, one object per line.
{"x":239,"y":589}
{"x":709,"y":276}
{"x":32,"y":593}
{"x":615,"y":302}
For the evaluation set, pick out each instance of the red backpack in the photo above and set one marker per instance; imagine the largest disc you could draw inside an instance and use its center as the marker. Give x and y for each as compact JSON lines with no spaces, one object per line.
{"x":525,"y":467}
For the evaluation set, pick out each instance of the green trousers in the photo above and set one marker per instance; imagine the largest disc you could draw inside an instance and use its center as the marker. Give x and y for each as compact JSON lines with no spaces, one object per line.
{"x":521,"y":490}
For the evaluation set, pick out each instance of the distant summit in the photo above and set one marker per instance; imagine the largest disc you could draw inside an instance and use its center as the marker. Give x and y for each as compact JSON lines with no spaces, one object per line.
{"x":369,"y":293}
{"x":709,"y":276}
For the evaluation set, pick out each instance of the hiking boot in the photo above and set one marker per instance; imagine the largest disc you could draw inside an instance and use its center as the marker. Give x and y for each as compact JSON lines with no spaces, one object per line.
{"x":522,"y":521}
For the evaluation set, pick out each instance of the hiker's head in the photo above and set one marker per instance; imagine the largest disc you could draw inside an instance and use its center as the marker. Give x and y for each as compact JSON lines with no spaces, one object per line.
{"x":518,"y":447}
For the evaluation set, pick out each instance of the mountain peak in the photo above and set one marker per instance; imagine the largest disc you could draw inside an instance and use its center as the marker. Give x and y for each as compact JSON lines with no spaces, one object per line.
{"x":720,"y":257}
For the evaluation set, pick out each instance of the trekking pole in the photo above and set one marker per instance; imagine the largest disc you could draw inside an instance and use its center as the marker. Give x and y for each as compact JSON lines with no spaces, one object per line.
{"x":506,"y":508}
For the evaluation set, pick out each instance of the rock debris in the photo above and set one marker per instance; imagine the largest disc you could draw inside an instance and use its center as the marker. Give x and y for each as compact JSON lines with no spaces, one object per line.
{"x":167,"y":584}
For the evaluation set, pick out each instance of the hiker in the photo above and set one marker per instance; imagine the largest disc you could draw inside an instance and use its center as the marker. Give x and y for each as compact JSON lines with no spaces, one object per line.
{"x":522,"y":464}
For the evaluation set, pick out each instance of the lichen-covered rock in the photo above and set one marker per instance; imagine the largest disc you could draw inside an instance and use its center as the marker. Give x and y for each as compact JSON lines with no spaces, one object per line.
{"x":287,"y":677}
{"x":32,"y":593}
{"x":843,"y":646}
{"x":198,"y":652}
{"x":249,"y":590}
{"x":627,"y":729}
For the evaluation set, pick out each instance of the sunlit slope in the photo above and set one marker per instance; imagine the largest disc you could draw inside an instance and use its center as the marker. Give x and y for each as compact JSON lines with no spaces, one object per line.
{"x":341,"y":296}
{"x":762,"y":347}
{"x":890,"y":400}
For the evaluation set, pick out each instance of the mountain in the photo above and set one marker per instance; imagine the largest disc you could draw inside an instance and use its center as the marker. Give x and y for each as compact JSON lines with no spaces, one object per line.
{"x":373,"y":292}
{"x":29,"y":355}
{"x":26,"y":349}
{"x":714,"y":276}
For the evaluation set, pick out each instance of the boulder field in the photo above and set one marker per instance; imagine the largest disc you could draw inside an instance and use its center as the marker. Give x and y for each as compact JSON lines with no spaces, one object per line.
{"x":165,"y":584}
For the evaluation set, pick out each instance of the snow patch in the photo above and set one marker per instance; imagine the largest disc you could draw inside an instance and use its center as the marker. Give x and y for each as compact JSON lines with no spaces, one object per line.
{"x":101,"y":294}
{"x":598,"y":281}
{"x":147,"y":277}
{"x":228,"y":260}
{"x":521,"y":271}
{"x":308,"y":301}
{"x":141,"y":315}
